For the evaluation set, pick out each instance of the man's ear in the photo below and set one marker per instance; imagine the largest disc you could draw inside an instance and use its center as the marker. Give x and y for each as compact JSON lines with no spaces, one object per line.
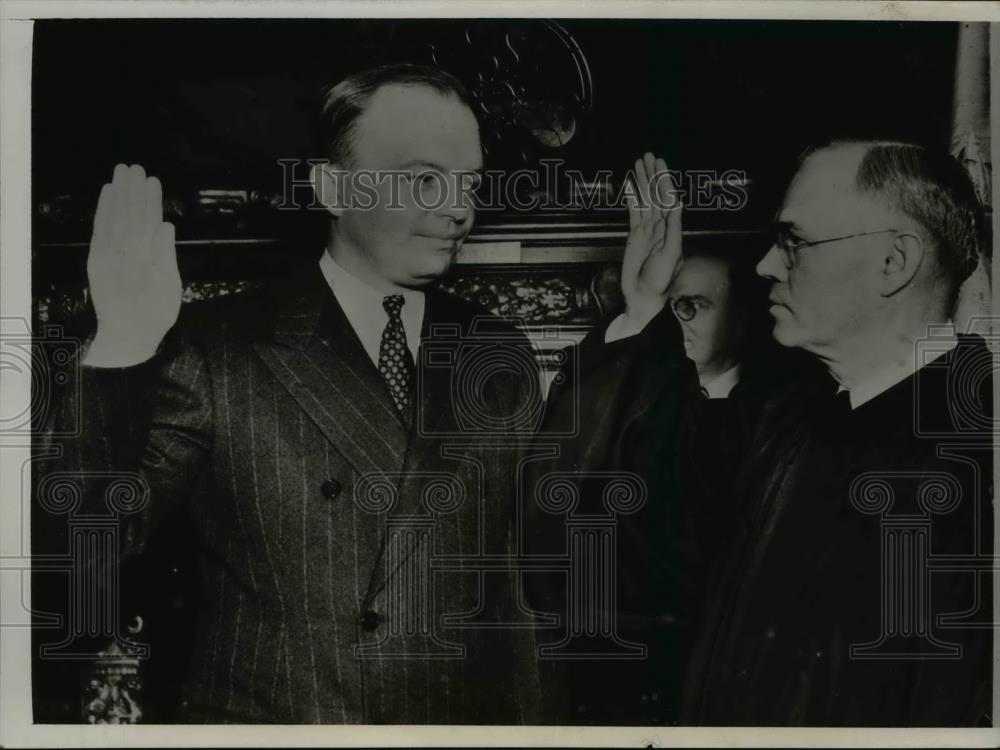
{"x":329,"y":186}
{"x":901,"y":263}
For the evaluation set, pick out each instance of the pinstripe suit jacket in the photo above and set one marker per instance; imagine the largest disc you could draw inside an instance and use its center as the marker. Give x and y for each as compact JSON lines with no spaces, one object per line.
{"x":265,"y":415}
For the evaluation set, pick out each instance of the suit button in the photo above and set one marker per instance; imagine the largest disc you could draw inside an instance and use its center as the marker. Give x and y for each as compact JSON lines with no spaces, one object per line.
{"x":370,"y":620}
{"x":330,"y":488}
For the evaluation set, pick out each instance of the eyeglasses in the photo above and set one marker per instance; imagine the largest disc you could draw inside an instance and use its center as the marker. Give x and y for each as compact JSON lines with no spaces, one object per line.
{"x":789,"y":248}
{"x":684,"y":308}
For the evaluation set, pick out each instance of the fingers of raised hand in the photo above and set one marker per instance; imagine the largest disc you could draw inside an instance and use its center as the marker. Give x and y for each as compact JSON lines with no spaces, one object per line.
{"x":657,"y":233}
{"x":642,"y":217}
{"x":153,"y":203}
{"x":111,"y":227}
{"x":120,"y":174}
{"x":129,"y":211}
{"x":649,"y":164}
{"x":135,"y":195}
{"x":656,"y":192}
{"x":102,"y":217}
{"x":668,"y":197}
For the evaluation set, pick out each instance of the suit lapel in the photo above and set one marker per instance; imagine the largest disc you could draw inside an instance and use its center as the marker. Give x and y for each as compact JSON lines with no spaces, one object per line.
{"x":316,"y":356}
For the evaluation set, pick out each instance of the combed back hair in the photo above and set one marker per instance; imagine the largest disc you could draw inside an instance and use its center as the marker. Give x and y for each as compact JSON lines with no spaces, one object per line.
{"x":344,"y":102}
{"x":931,"y":188}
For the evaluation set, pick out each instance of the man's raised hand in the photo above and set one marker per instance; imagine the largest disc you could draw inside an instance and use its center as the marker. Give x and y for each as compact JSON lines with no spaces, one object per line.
{"x":132,"y":270}
{"x":653,"y":249}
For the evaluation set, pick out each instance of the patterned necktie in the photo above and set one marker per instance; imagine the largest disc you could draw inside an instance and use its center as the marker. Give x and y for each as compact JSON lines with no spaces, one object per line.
{"x":394,"y":356}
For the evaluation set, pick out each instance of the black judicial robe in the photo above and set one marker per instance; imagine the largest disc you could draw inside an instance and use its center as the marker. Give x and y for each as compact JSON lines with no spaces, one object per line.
{"x":818,"y":566}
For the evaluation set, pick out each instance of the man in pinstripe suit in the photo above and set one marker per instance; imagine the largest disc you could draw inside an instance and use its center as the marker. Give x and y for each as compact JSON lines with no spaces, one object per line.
{"x":321,"y":468}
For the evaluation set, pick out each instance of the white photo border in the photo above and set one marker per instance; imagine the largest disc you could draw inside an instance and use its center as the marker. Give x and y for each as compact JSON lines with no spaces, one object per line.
{"x":16,"y":729}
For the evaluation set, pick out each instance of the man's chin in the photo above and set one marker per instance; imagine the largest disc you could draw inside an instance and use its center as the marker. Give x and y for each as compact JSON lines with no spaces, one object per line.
{"x":784,"y":333}
{"x":430,"y":273}
{"x":419,"y":282}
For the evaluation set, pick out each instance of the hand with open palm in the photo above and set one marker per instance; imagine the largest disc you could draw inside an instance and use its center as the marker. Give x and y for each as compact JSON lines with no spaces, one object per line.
{"x":132,"y":270}
{"x":653,"y":249}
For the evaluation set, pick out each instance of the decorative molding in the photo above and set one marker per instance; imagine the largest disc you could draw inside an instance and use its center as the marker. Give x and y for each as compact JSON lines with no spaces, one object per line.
{"x":544,"y":296}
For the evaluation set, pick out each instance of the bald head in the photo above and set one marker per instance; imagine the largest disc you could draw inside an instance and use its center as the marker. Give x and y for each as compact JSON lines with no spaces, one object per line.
{"x":928,"y":188}
{"x":876,"y":240}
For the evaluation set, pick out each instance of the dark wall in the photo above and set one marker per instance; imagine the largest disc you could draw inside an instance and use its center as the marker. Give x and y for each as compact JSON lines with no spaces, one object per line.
{"x":215,"y":103}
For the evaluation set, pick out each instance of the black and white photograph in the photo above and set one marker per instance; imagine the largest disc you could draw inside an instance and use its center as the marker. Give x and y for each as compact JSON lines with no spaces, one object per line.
{"x":586,"y":378}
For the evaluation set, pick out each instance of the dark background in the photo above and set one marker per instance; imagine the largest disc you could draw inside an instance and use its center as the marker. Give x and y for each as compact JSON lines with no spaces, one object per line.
{"x":215,"y":103}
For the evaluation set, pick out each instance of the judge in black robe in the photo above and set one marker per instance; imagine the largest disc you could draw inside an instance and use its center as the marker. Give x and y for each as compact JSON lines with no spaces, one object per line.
{"x":816,"y":556}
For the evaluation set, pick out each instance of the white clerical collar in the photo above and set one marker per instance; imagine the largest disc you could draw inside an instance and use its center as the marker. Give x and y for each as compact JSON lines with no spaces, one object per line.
{"x":882,"y":380}
{"x":721,"y":385}
{"x":362,"y":305}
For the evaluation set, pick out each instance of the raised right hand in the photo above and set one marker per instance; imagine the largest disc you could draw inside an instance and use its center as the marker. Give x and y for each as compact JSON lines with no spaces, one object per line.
{"x":653,"y":249}
{"x":132,"y":270}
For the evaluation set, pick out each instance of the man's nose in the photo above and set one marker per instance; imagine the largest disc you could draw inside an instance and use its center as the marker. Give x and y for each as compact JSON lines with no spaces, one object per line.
{"x":458,"y":214}
{"x":771,"y":266}
{"x":458,"y":206}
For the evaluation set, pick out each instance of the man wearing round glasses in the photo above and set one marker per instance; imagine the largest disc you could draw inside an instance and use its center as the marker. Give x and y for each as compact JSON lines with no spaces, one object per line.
{"x":706,"y":301}
{"x":805,"y":561}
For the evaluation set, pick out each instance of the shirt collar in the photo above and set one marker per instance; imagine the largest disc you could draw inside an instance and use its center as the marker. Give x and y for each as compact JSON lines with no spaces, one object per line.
{"x":882,"y":380}
{"x":721,"y":385}
{"x":362,"y":306}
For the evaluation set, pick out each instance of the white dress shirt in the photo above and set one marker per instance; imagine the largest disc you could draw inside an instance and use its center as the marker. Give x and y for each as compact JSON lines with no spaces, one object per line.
{"x":722,"y":384}
{"x":362,"y":304}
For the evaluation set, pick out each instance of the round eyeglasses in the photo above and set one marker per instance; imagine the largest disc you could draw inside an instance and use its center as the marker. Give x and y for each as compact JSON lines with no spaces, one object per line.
{"x":684,"y":308}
